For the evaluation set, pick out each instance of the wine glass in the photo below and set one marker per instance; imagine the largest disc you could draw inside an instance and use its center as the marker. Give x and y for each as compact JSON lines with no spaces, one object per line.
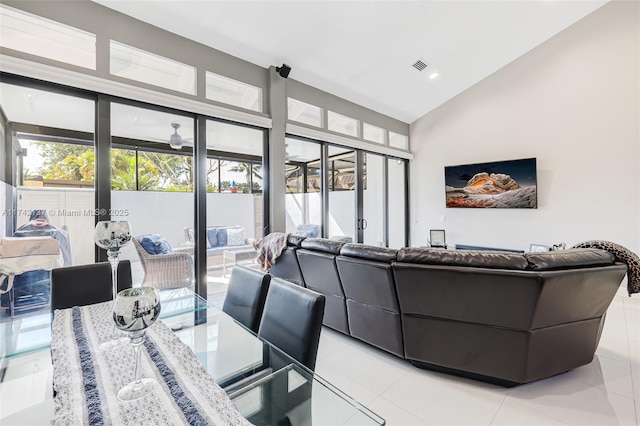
{"x":111,"y":235}
{"x":134,"y":310}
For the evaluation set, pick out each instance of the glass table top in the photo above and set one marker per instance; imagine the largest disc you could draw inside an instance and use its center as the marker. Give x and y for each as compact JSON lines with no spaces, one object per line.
{"x":28,"y":332}
{"x":267,"y":385}
{"x":293,"y":395}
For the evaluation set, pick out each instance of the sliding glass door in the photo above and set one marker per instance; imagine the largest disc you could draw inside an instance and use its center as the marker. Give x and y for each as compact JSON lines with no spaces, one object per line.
{"x":152,"y":188}
{"x":304,"y":184}
{"x":397,"y":202}
{"x":365,"y":198}
{"x":373,"y":200}
{"x":342,"y":219}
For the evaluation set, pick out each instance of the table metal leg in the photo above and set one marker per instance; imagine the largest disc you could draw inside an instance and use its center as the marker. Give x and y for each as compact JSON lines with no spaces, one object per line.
{"x":224,"y":266}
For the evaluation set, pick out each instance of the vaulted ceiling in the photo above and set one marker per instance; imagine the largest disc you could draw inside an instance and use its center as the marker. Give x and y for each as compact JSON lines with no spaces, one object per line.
{"x":364,"y":51}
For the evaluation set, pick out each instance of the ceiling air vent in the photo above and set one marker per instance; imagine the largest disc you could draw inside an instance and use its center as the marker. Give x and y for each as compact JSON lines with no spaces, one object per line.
{"x":420,"y":65}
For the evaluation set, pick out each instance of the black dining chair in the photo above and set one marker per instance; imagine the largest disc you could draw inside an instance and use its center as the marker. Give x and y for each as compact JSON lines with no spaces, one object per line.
{"x":292,"y":320}
{"x":246,"y":296}
{"x":86,"y":284}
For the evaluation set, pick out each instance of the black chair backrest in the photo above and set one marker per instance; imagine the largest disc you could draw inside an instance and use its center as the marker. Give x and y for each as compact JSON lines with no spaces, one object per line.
{"x":292,"y":320}
{"x":246,"y":296}
{"x":86,"y":284}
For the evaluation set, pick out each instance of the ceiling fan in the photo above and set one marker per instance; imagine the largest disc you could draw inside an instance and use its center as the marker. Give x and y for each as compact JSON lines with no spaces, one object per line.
{"x":175,"y":141}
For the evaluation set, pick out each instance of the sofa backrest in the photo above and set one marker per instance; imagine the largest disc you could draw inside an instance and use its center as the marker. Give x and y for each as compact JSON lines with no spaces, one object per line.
{"x":568,"y":259}
{"x":317,"y":263}
{"x":506,"y":289}
{"x":286,"y":265}
{"x":317,"y":258}
{"x":472,"y":258}
{"x":367,"y":276}
{"x":372,"y":304}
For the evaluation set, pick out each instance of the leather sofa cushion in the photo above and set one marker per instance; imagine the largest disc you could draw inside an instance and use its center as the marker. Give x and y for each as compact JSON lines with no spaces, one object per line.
{"x":362,"y":251}
{"x":479,"y":259}
{"x":295,"y":240}
{"x":571,"y":258}
{"x":323,"y":245}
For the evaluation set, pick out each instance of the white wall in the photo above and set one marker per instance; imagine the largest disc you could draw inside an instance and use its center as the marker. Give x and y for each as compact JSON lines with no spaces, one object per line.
{"x":303,"y":209}
{"x":572,"y":102}
{"x":168,"y":213}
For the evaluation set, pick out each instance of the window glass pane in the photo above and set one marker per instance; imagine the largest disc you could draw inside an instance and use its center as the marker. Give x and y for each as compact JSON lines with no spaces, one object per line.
{"x":342,"y":195}
{"x":136,"y":64}
{"x":342,"y":124}
{"x":213,"y":175}
{"x":372,"y":133}
{"x":397,"y":140}
{"x":236,"y":139}
{"x":60,"y":164}
{"x":234,"y":203}
{"x":233,"y":92}
{"x":26,"y":105}
{"x":49,"y":39}
{"x":373,"y":199}
{"x":235,"y":177}
{"x":303,"y":186}
{"x":304,"y":113}
{"x":150,"y":126}
{"x":397,"y":202}
{"x":55,"y":166}
{"x":158,"y":201}
{"x":123,"y":166}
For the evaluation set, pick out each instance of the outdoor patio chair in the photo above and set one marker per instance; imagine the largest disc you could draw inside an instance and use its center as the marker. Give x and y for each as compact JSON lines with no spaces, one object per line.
{"x":170,"y":270}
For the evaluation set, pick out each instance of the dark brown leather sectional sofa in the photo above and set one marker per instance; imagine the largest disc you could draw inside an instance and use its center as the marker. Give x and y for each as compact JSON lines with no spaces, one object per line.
{"x":500,"y":317}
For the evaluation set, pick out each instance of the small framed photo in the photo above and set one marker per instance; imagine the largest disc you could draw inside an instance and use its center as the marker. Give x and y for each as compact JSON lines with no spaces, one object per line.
{"x":533,"y":248}
{"x":437,"y":238}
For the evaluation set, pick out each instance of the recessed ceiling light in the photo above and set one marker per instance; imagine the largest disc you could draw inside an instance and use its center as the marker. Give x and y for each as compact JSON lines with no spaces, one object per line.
{"x":434,"y":75}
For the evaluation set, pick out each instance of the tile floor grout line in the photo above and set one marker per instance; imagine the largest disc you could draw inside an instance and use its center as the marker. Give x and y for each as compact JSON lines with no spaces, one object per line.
{"x":399,"y":408}
{"x":633,"y":387}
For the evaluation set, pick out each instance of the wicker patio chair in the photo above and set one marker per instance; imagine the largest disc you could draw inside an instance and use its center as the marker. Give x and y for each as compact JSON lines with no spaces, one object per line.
{"x":165,"y":270}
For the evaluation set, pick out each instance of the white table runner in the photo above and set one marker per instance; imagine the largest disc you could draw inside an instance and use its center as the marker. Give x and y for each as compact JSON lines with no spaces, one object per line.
{"x":87,"y":380}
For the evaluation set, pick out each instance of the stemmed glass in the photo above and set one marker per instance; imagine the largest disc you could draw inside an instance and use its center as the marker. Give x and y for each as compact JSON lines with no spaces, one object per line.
{"x":134,"y":310}
{"x":112,"y":235}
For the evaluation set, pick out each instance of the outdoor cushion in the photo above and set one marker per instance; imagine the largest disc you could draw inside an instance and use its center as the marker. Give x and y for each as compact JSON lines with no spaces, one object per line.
{"x":212,"y":237}
{"x":221,"y":234}
{"x":155,"y":244}
{"x":235,"y":236}
{"x":308,"y":230}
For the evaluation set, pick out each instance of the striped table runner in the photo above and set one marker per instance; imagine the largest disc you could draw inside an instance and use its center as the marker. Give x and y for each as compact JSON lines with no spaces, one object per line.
{"x":87,"y":380}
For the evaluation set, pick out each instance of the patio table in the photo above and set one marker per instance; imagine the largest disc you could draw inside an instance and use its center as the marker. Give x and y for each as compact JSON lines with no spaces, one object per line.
{"x":237,"y":256}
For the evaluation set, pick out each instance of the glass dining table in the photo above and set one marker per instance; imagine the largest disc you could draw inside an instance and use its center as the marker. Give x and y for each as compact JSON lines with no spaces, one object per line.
{"x":267,"y":386}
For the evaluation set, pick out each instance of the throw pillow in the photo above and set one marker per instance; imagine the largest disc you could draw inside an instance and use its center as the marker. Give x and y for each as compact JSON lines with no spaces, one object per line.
{"x":221,"y":234}
{"x":212,"y":237}
{"x":308,"y":230}
{"x":148,"y":245}
{"x":235,"y":236}
{"x":155,"y":244}
{"x":163,"y":246}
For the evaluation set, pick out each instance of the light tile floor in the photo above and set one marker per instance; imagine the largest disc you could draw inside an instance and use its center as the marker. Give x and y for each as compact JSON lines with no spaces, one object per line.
{"x":605,"y":392}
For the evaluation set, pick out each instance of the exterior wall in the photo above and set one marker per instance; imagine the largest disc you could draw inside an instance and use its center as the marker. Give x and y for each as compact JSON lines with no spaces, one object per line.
{"x":573,"y":103}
